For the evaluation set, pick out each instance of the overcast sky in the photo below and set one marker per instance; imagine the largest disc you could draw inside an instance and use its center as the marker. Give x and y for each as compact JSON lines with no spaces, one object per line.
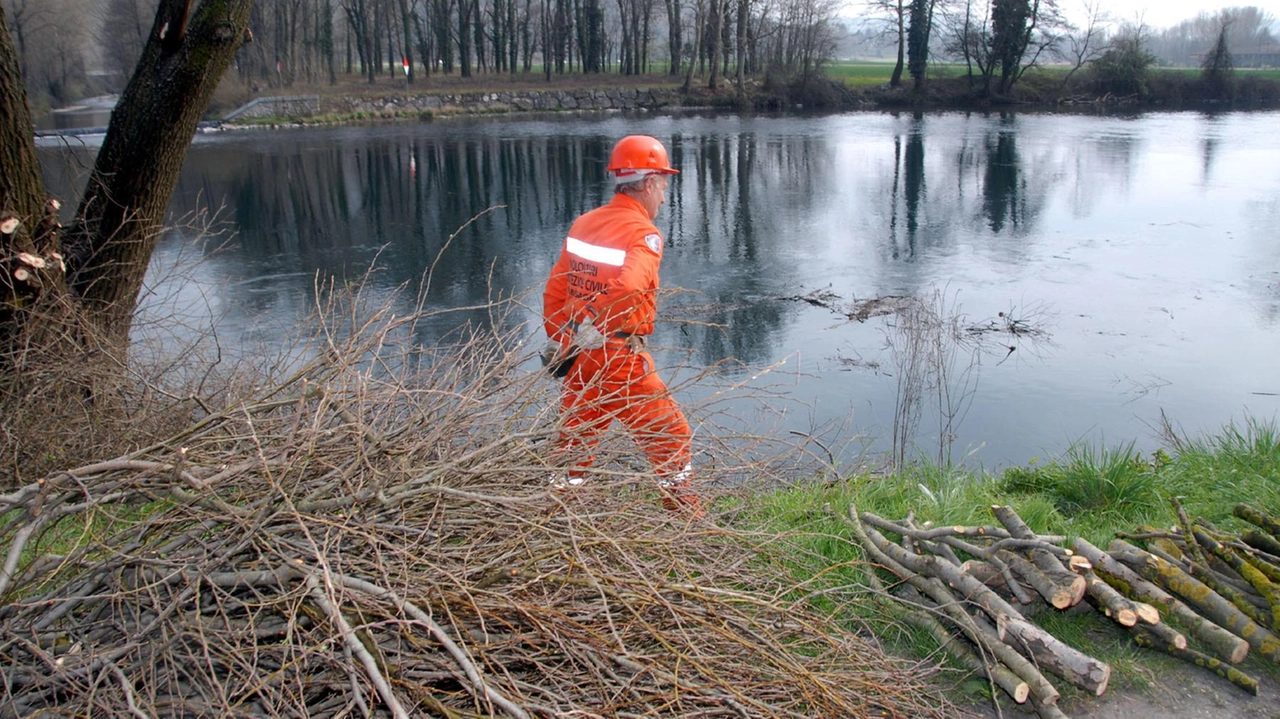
{"x":1156,"y":14}
{"x":1164,"y":13}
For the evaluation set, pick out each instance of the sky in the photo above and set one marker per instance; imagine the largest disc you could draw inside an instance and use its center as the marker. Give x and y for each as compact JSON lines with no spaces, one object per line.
{"x":1157,"y":14}
{"x":1166,"y":13}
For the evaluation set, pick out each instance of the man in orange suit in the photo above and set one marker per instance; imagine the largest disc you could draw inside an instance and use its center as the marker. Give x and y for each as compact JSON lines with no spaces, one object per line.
{"x":598,"y":310}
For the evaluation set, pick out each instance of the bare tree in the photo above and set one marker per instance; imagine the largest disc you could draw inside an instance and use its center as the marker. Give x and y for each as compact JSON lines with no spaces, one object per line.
{"x":966,"y":28}
{"x":1085,"y":44}
{"x":105,"y":252}
{"x":893,"y":16}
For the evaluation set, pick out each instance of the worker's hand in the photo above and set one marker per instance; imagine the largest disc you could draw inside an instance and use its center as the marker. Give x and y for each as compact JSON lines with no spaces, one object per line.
{"x":557,"y":358}
{"x":551,"y":352}
{"x":587,"y":337}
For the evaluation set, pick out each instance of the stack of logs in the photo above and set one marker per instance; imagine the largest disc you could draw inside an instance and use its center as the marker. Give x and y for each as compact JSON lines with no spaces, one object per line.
{"x":1222,"y":590}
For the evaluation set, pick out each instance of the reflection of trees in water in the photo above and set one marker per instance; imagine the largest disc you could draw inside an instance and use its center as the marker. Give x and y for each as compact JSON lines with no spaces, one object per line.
{"x":328,"y":204}
{"x":724,"y":242}
{"x":947,"y":180}
{"x":1002,"y":201}
{"x":909,"y":174}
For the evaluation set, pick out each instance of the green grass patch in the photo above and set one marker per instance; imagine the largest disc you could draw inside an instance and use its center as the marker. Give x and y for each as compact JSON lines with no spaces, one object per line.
{"x":1093,"y":492}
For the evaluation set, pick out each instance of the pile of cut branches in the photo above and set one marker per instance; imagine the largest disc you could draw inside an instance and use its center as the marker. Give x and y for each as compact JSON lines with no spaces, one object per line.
{"x":973,"y":589}
{"x":376,"y":538}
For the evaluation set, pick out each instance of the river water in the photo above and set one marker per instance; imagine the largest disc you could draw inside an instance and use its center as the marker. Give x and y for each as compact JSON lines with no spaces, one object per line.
{"x":1138,"y":257}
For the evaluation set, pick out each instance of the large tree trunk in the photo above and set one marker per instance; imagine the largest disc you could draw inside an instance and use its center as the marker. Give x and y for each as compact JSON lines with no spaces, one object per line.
{"x":122,"y":212}
{"x":121,"y":215}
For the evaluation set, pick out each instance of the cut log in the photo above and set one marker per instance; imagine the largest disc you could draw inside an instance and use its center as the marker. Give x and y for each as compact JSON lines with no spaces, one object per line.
{"x":1207,"y":601}
{"x":997,"y":575}
{"x":961,"y":651}
{"x":1055,"y":655}
{"x":1109,"y":601}
{"x":1146,"y":639}
{"x":1057,"y":594}
{"x":1048,"y":563}
{"x":1147,"y":614}
{"x":1077,"y":563}
{"x":1163,"y":632}
{"x":879,"y":549}
{"x":1222,"y":642}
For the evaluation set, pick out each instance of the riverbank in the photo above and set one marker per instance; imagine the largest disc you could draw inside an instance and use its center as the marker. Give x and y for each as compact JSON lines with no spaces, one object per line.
{"x":327,"y":536}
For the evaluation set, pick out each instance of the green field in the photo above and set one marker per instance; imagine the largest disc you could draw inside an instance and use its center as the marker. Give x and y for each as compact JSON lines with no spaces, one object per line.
{"x":862,"y":73}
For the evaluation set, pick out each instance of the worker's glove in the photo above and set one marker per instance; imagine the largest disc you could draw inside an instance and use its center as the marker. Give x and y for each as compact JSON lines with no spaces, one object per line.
{"x":557,"y":358}
{"x":587,"y":337}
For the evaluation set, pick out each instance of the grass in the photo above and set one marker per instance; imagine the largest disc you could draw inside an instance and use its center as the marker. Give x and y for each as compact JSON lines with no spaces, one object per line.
{"x":1090,"y":491}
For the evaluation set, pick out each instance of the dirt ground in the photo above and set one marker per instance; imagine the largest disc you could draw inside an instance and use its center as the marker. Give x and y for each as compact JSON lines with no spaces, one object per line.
{"x":1180,"y":692}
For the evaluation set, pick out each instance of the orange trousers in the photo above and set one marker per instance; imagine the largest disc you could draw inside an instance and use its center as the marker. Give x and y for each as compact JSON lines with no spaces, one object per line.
{"x":618,"y":382}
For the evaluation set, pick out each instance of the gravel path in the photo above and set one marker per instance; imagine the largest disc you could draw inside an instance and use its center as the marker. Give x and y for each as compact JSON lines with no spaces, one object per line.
{"x":1181,"y":692}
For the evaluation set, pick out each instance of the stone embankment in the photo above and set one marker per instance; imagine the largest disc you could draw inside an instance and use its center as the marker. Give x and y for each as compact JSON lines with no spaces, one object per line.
{"x":621,"y":98}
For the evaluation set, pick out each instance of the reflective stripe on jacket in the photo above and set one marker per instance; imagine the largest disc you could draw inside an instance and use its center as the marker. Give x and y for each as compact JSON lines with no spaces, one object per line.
{"x":607,"y":271}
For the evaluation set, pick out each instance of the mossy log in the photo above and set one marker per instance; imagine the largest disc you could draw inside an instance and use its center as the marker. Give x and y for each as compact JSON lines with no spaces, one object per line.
{"x":1145,"y":638}
{"x":1195,"y":592}
{"x":1224,"y":575}
{"x":1241,"y":597}
{"x":1259,"y":519}
{"x":1163,"y":632}
{"x":1262,"y":542}
{"x":1256,"y":578}
{"x":1220,"y":641}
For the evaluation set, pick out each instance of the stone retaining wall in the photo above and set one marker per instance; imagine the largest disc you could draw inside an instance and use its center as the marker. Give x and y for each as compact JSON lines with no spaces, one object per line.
{"x":624,"y":98}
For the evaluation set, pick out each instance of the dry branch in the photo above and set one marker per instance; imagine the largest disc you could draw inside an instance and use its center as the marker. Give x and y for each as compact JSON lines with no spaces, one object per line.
{"x":372,"y":535}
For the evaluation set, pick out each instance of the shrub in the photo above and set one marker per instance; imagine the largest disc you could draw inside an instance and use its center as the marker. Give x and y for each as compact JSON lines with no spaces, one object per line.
{"x":1122,"y":69}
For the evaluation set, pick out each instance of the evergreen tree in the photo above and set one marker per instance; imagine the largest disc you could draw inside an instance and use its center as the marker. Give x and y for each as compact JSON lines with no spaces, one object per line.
{"x":1216,"y":71}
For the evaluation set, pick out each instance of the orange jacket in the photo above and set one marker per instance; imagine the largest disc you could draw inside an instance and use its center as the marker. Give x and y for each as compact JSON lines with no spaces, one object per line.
{"x":607,"y":270}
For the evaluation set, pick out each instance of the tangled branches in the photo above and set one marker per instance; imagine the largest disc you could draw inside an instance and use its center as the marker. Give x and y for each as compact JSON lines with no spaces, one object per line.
{"x":373,"y":535}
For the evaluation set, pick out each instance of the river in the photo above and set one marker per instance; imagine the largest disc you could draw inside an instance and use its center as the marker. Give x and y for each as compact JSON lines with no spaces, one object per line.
{"x":1137,"y":258}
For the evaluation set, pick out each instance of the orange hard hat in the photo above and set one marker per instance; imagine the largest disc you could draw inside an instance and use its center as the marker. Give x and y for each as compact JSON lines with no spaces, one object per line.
{"x":638,"y":155}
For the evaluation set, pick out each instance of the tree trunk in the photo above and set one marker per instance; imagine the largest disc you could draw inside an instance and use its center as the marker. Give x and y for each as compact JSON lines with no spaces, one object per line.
{"x":717,"y":41}
{"x":896,"y":78}
{"x":121,"y":215}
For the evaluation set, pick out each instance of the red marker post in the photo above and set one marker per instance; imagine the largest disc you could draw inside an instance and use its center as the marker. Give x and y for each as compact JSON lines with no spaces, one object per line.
{"x":406,"y":71}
